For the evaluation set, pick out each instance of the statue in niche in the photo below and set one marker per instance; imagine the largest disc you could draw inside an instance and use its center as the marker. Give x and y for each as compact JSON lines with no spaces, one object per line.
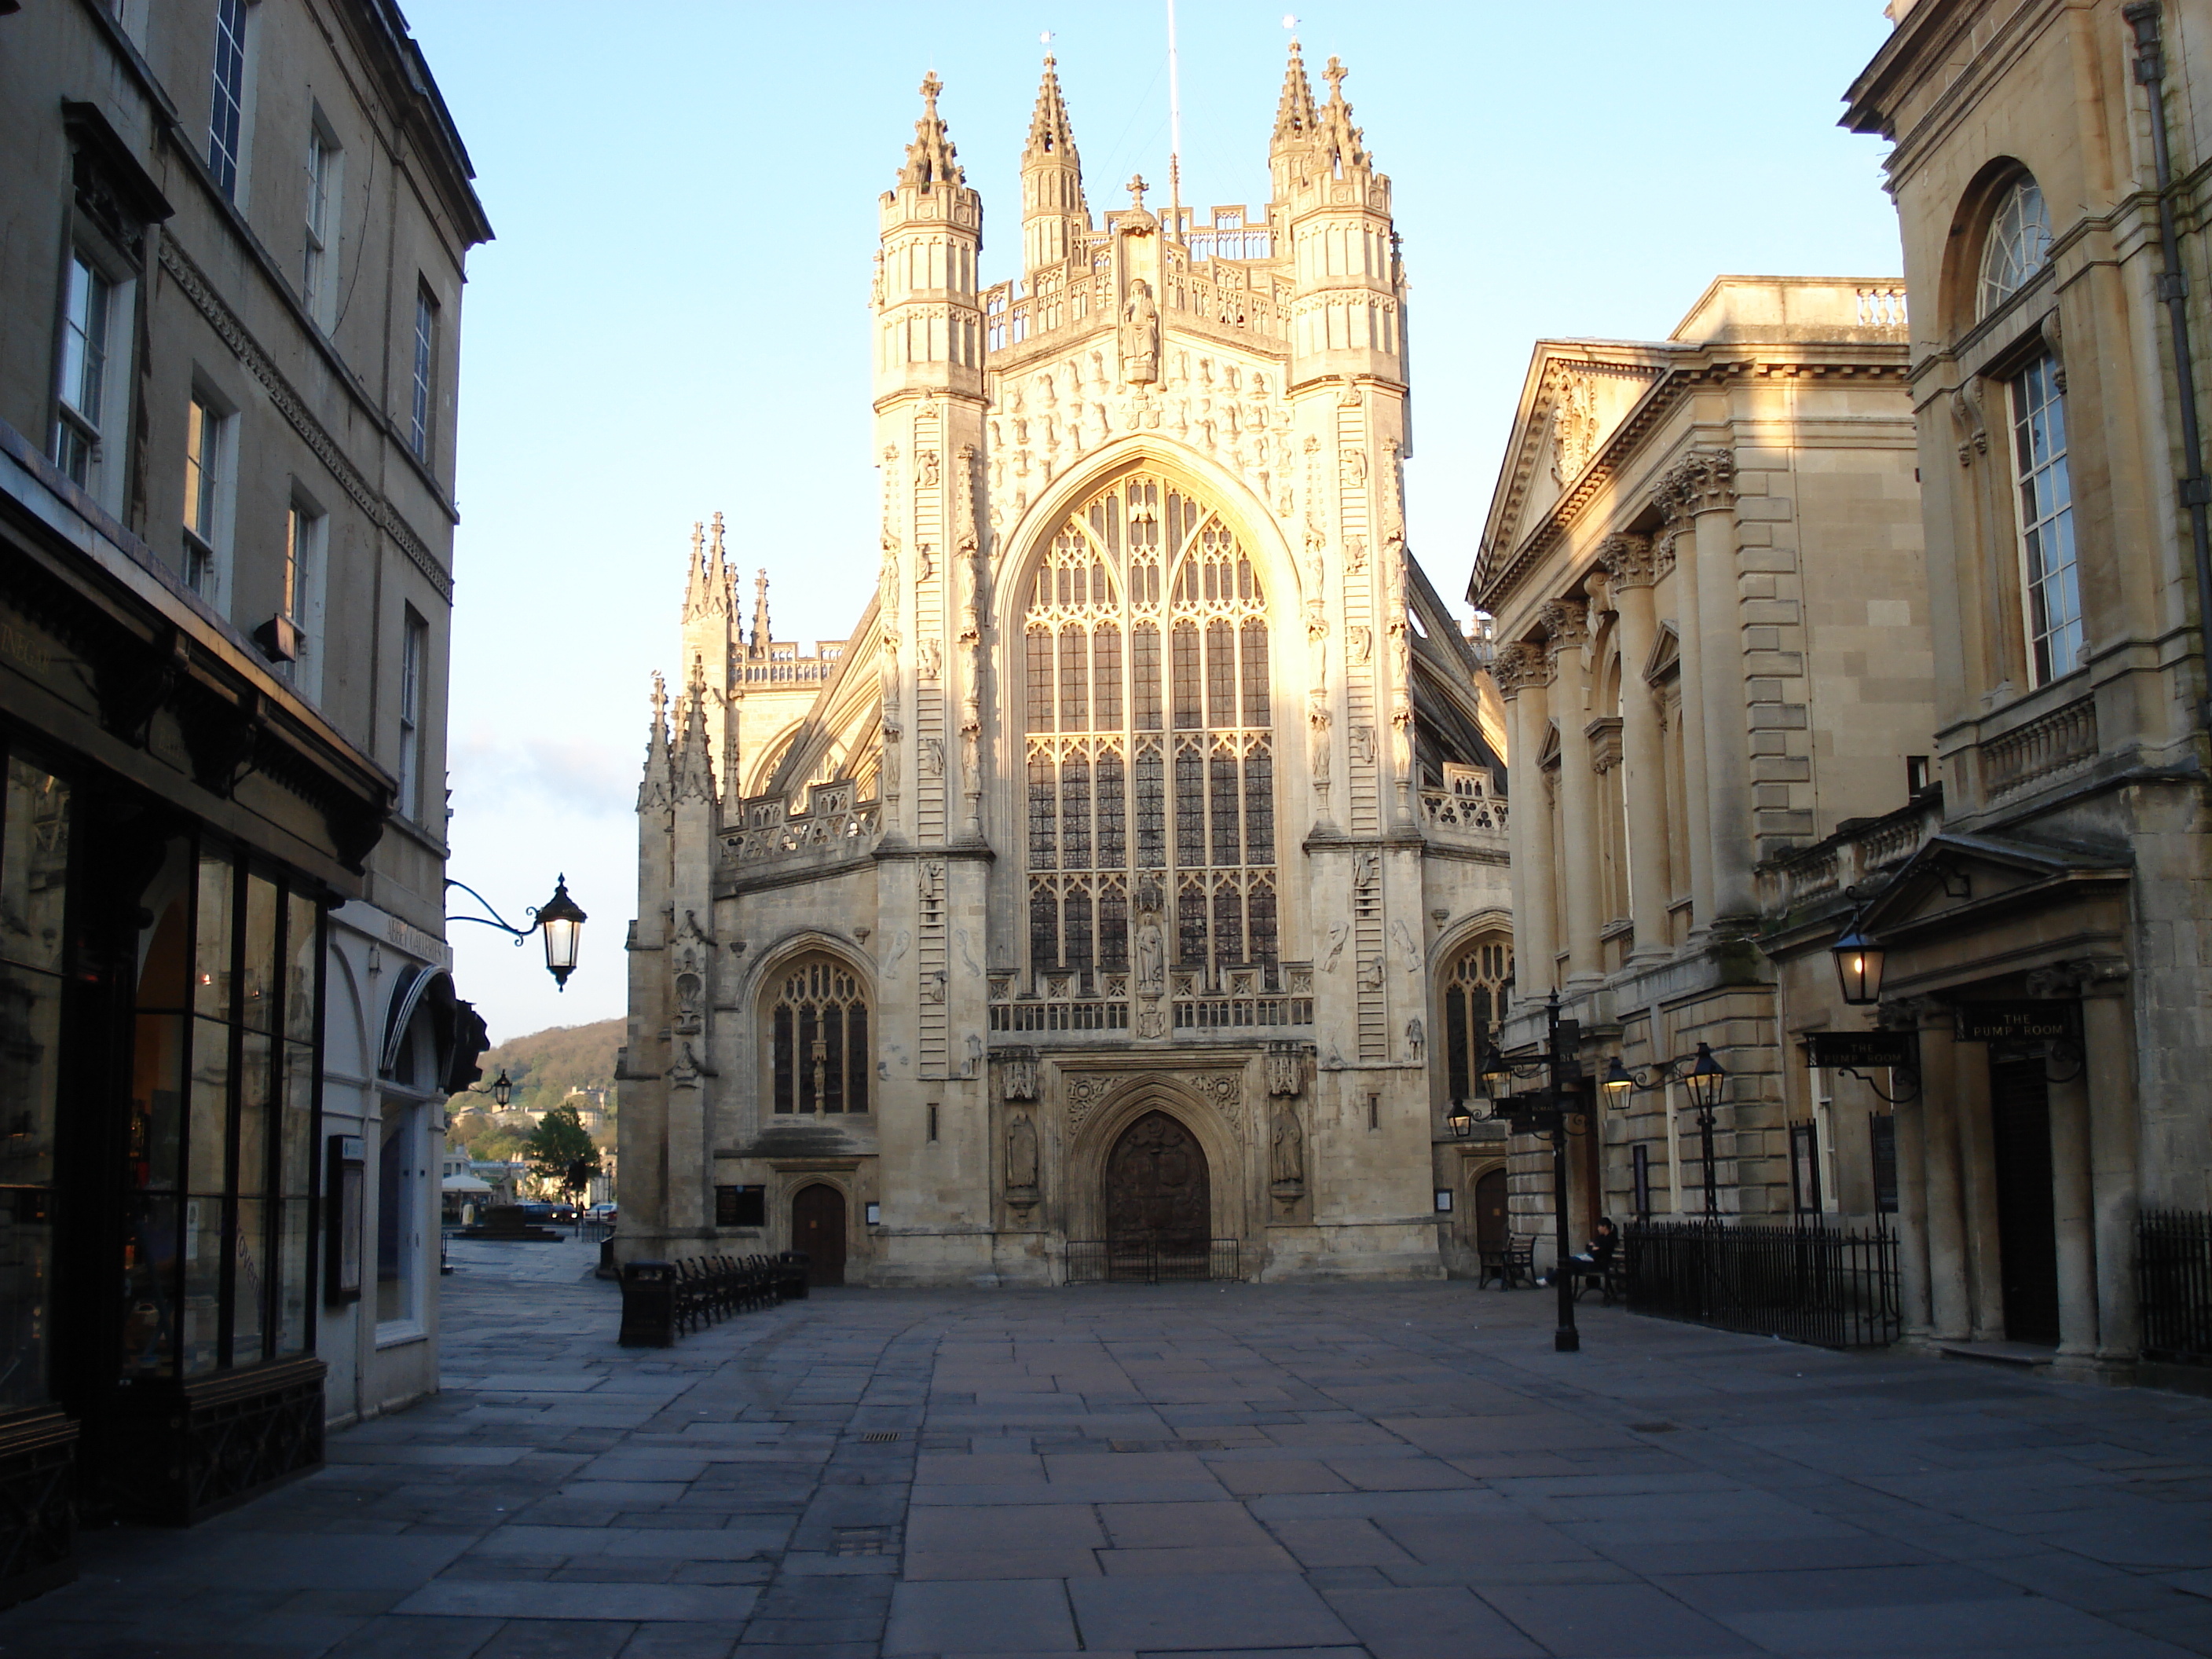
{"x":1140,"y":335}
{"x":1366,"y":866}
{"x":1355,"y":467}
{"x":927,"y":565}
{"x":1417,"y":1038}
{"x":1021,"y":1154}
{"x":688,"y":999}
{"x":1287,"y":1164}
{"x":932,"y":758}
{"x":1361,"y":642}
{"x":1363,"y":745}
{"x":1151,"y":944}
{"x":975,"y":1063}
{"x":928,"y":458}
{"x":929,"y":657}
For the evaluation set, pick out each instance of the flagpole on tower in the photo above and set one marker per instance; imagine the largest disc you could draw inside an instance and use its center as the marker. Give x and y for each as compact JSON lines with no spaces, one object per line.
{"x":1175,"y":131}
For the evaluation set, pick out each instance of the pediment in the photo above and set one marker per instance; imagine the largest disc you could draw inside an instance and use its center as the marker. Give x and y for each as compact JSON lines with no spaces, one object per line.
{"x":1579,"y":398}
{"x":1666,"y":658}
{"x":1955,"y":872}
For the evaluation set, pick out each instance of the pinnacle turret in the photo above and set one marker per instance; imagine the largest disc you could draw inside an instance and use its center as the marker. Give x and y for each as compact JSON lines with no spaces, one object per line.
{"x":1342,"y":151}
{"x":931,"y":160}
{"x":1055,"y":215}
{"x":1295,"y":118}
{"x":760,"y":633}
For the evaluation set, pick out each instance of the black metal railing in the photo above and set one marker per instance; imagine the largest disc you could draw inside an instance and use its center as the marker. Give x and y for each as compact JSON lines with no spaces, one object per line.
{"x":2174,"y":1281}
{"x":1104,"y":1261}
{"x":1809,"y":1283}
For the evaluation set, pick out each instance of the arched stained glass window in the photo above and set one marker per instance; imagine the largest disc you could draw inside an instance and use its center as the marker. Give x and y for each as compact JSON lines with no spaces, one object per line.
{"x":818,"y":1038}
{"x":2017,"y":246}
{"x":1150,"y":745}
{"x":1475,"y":1002}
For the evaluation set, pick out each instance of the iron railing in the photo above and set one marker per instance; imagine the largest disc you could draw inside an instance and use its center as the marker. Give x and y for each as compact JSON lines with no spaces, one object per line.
{"x":1809,"y":1283}
{"x":2173,"y":1280}
{"x":1102,"y":1261}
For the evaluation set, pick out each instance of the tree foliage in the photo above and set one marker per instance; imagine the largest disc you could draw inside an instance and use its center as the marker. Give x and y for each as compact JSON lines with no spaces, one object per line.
{"x":544,"y":1066}
{"x":560,"y":1152}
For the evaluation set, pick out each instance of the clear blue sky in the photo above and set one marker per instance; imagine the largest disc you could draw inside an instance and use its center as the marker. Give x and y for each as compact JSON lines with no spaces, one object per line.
{"x":672,"y":320}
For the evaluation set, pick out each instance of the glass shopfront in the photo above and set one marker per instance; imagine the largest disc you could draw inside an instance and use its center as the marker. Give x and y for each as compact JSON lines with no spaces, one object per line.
{"x":219,"y":1163}
{"x":35,"y":854}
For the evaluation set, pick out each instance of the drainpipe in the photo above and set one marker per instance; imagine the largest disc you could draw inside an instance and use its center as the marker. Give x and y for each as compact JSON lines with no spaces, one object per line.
{"x":2173,"y":289}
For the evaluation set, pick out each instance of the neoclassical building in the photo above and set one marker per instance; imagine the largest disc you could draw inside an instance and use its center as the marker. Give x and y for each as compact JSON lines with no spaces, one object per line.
{"x":2044,"y":915}
{"x":1703,"y":558}
{"x":1104,"y":896}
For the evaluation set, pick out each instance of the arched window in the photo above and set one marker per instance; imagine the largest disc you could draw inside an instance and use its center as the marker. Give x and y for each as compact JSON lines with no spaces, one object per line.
{"x":818,"y":1038}
{"x":1474,"y":1001}
{"x":2017,"y":246}
{"x":1150,"y":745}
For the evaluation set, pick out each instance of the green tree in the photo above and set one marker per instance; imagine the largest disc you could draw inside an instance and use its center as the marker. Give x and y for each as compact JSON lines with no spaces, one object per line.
{"x":560,"y":1152}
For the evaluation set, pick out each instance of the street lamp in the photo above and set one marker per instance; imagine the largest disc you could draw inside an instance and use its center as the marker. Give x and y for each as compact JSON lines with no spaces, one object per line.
{"x":1553,"y":1119}
{"x":559,"y":917}
{"x":1858,"y":965}
{"x":499,"y":1089}
{"x":1460,"y":1120}
{"x":1699,"y":1074}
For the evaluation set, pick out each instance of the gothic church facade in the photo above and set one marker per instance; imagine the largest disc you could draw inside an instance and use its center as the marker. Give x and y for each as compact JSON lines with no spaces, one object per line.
{"x":1111,"y":898}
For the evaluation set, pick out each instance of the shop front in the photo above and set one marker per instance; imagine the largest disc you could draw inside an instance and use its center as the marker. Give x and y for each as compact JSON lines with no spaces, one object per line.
{"x":176,"y":828}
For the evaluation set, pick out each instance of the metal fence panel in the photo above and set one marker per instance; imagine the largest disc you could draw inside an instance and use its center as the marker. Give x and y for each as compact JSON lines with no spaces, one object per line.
{"x":1095,"y":1261}
{"x":2174,"y":1281}
{"x":1808,"y":1282}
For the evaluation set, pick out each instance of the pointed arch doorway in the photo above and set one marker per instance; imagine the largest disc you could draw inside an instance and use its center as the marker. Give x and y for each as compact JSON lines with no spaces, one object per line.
{"x":1157,"y":1202}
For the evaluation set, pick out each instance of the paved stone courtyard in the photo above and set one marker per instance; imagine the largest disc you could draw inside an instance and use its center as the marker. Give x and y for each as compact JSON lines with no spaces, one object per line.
{"x":1406,"y":1473}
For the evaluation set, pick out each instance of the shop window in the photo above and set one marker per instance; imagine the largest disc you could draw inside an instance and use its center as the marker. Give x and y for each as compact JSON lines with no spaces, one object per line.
{"x":395,"y":1222}
{"x":218,"y":1173}
{"x":34,"y":848}
{"x":818,"y":1039}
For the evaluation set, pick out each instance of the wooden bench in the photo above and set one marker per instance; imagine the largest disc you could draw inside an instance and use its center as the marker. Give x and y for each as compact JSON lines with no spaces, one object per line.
{"x":1510,"y":1262}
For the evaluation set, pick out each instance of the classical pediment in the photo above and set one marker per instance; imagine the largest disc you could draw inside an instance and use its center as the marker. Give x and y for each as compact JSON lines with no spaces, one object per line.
{"x":1957,"y":876}
{"x":1577,"y":398}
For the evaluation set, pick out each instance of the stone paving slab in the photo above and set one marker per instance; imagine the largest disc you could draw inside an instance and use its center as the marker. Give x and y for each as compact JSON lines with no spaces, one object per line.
{"x":1396,"y":1472}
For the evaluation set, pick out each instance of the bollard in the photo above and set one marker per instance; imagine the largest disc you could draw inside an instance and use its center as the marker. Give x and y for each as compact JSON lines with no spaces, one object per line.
{"x":649,"y":1315}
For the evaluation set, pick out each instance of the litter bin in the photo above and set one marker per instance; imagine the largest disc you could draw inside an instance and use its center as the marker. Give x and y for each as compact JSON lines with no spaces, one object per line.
{"x":649,"y":1315}
{"x":790,"y":1275}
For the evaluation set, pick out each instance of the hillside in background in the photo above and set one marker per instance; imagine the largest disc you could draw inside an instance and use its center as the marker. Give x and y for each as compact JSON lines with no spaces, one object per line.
{"x":545,"y":1065}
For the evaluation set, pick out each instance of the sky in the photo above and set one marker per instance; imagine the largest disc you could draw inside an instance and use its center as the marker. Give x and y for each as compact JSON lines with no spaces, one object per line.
{"x":673,"y":320}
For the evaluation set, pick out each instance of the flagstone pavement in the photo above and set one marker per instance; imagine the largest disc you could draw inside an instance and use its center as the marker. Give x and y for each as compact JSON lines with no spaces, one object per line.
{"x":1405,"y":1472}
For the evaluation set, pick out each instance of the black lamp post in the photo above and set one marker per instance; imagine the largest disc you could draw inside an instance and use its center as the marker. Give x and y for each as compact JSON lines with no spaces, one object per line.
{"x":559,"y":918}
{"x":1548,"y":1116}
{"x":1701,"y":1074}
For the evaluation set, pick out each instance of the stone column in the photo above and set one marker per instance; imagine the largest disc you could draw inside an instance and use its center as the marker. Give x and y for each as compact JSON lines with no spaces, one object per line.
{"x":1910,"y":1143}
{"x":1977,"y":1168}
{"x":1949,"y":1315}
{"x":1704,"y":482}
{"x":2070,"y":1206}
{"x":1521,"y":673}
{"x":2115,"y":1172}
{"x":1628,"y":560}
{"x":1565,"y":622}
{"x":1697,"y":804}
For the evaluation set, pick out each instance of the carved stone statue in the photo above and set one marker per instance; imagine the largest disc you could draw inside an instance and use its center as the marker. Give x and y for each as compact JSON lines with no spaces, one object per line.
{"x":1140,"y":335}
{"x":1417,"y":1038}
{"x":932,"y":758}
{"x":1021,"y":1154}
{"x":928,"y":654}
{"x":1151,"y":953}
{"x":1287,"y":1165}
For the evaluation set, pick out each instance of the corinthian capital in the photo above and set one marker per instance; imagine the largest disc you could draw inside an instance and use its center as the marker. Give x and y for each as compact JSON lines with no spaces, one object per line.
{"x":1566,"y":622}
{"x":1517,"y":667}
{"x":1628,"y":560}
{"x":1703,"y":481}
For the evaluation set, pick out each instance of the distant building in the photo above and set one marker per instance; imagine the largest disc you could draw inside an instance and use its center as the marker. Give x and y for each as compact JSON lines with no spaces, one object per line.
{"x":1106,"y":894}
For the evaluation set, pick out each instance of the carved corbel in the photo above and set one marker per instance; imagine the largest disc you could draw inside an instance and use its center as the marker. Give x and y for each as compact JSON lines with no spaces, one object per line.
{"x":2054,"y":341}
{"x":220,"y":735}
{"x":1967,"y":421}
{"x":131,"y":685}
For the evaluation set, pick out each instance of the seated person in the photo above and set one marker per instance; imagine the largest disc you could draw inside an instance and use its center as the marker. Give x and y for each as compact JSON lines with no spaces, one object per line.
{"x":1597,"y":1259}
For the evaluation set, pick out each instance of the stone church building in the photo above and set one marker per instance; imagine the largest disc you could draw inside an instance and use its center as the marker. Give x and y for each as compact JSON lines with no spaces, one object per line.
{"x":1100,"y":904}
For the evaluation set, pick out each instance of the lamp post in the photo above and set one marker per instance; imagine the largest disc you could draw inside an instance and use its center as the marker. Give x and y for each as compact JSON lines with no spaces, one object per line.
{"x":559,"y":919}
{"x":1701,"y":1074}
{"x":1557,"y":1064}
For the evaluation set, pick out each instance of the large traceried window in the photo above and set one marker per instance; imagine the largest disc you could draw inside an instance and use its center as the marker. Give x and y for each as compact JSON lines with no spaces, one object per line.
{"x":818,"y":1038}
{"x":2017,"y":246}
{"x":1475,"y":1002}
{"x":1150,"y":751}
{"x":2050,"y":587}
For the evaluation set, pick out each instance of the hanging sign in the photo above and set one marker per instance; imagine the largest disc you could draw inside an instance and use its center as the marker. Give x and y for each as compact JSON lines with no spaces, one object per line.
{"x":2016,"y":1022}
{"x":1862,"y":1049}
